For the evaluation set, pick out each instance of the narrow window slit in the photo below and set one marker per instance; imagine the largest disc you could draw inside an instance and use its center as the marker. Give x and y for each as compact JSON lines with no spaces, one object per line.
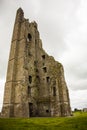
{"x":29,"y":90}
{"x":30,"y":79}
{"x":54,"y":91}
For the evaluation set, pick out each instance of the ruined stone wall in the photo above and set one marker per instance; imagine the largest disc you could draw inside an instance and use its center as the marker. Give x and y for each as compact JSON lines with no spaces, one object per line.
{"x":35,"y":84}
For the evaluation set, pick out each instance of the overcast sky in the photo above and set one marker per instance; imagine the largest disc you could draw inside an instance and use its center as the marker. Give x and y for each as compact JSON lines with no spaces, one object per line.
{"x":63,"y":29}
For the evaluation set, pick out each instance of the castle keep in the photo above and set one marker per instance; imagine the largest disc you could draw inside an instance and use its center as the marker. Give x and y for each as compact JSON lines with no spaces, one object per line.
{"x":35,"y":84}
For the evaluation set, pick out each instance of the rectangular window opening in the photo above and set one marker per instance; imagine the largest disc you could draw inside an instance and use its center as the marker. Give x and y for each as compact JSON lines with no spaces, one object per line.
{"x":43,"y":57}
{"x":48,"y":79}
{"x":35,"y":62}
{"x":37,"y":70}
{"x":38,"y":79}
{"x":47,"y":111}
{"x":45,"y":69}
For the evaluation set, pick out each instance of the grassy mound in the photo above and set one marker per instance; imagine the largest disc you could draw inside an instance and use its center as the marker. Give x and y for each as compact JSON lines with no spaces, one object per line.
{"x":76,"y":122}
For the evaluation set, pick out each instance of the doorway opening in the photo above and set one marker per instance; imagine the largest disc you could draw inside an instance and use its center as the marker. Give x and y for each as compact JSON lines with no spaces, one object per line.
{"x":31,"y":109}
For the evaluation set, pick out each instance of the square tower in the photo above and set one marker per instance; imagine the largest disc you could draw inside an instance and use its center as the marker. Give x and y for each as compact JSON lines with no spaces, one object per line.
{"x":35,"y":84}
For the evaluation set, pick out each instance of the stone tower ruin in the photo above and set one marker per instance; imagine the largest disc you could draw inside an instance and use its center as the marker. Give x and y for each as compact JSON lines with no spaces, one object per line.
{"x":35,"y":84}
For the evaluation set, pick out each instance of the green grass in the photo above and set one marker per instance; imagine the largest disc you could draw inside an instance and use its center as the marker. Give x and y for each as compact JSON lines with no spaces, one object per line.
{"x":76,"y":122}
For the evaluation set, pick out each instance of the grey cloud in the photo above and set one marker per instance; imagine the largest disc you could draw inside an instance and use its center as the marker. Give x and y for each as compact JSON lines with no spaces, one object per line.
{"x":79,"y":99}
{"x":78,"y":84}
{"x":79,"y":70}
{"x":76,"y":74}
{"x":55,"y":43}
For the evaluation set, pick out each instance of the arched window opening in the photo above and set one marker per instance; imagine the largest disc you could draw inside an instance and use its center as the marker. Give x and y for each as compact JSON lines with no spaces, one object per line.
{"x":29,"y":37}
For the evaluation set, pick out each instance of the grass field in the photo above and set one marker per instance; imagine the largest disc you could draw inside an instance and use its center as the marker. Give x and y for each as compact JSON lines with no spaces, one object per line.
{"x":76,"y":122}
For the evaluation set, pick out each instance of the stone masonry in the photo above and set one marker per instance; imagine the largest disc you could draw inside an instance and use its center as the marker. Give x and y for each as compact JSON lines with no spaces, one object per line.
{"x":35,"y":84}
